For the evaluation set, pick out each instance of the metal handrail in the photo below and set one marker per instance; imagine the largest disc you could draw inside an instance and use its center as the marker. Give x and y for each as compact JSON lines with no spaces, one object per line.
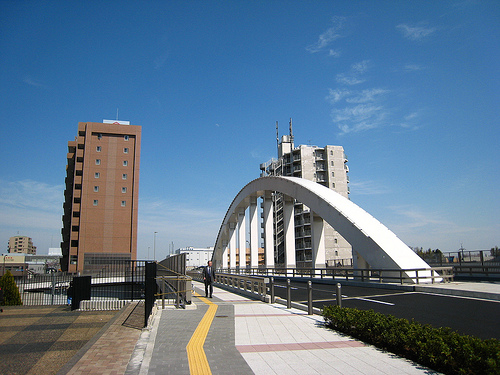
{"x":417,"y":275}
{"x":251,"y":285}
{"x":181,"y":288}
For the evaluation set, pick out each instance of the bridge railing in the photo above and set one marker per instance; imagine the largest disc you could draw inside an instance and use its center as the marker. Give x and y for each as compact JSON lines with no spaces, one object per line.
{"x":418,"y":275}
{"x":253,"y":286}
{"x":476,"y":271}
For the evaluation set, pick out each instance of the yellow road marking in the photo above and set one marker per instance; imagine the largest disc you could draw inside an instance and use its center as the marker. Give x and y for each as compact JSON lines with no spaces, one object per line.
{"x":198,"y":363}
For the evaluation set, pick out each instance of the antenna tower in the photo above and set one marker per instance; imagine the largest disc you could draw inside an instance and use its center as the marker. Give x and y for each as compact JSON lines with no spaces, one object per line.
{"x":277,"y":139}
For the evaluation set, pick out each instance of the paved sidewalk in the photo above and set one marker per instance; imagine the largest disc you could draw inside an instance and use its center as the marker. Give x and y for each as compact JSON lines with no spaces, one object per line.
{"x":249,"y":336}
{"x":245,"y":337}
{"x":108,"y":354}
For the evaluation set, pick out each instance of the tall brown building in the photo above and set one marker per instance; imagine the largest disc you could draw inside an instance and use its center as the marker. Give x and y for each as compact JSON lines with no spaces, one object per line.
{"x":101,"y":196}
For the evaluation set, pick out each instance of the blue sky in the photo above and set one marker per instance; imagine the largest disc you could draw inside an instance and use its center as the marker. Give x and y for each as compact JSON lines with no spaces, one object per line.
{"x":410,"y":89}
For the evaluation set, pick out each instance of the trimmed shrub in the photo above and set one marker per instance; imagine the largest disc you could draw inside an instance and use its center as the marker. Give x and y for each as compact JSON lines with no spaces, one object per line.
{"x":11,"y":294}
{"x":440,"y":349}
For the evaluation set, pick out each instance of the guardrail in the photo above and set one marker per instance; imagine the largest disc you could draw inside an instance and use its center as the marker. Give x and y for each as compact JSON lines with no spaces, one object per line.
{"x":418,"y":275}
{"x":250,"y":285}
{"x":477,"y":271}
{"x":176,"y":288}
{"x":253,"y":286}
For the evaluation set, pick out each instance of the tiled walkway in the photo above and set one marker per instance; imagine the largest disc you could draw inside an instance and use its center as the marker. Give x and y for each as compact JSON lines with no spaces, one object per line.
{"x":248,"y":336}
{"x":41,"y":339}
{"x":245,"y":337}
{"x":111,"y":353}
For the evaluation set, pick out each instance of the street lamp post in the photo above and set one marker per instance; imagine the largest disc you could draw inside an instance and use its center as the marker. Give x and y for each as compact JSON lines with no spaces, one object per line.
{"x":154,"y":247}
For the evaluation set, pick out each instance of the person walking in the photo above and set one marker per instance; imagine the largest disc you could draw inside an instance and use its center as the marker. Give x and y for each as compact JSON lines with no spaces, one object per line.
{"x":209,"y":278}
{"x":69,"y":293}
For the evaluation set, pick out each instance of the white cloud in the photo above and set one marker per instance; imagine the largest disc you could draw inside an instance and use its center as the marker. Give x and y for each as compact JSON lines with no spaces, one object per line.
{"x":430,"y":229}
{"x":328,"y":36}
{"x":353,"y":76}
{"x":412,"y":67}
{"x":334,"y":53}
{"x":360,"y":67}
{"x":33,"y":209}
{"x":337,"y":95}
{"x":358,"y":110}
{"x":411,"y":121}
{"x":366,"y":96}
{"x":348,"y":80}
{"x":177,"y":222}
{"x":358,"y":118}
{"x":29,"y":194}
{"x":415,"y":32}
{"x":32,"y":82}
{"x":367,"y":188}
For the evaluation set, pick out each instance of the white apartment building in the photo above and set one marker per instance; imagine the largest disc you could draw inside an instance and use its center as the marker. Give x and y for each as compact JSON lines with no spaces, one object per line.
{"x":325,"y":165}
{"x":196,"y":256}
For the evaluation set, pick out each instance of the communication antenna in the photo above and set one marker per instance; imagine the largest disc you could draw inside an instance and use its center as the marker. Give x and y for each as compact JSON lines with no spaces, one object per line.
{"x":116,"y":114}
{"x":277,"y":139}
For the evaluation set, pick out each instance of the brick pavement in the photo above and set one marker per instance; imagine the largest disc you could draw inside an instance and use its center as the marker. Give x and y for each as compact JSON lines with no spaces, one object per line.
{"x":111,"y":352}
{"x":41,"y":339}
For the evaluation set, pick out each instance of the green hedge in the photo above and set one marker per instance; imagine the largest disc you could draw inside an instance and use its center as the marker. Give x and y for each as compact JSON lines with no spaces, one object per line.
{"x":10,"y":290}
{"x":440,"y":349}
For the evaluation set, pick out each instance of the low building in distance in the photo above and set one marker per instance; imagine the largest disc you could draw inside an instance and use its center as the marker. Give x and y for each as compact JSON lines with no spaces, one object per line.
{"x":21,"y":244}
{"x":196,"y":256}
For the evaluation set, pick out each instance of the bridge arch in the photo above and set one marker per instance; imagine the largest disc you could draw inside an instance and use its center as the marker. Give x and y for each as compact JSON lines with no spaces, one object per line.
{"x":374,"y":245}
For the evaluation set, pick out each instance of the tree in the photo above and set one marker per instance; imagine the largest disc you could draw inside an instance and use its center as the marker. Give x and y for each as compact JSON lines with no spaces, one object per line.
{"x":11,"y":294}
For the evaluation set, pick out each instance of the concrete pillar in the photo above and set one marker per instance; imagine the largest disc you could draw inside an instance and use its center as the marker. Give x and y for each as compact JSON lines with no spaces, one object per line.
{"x":232,"y":245}
{"x":224,"y":264}
{"x":289,"y":228}
{"x":242,"y":239}
{"x":268,"y":230}
{"x":254,"y":233}
{"x":360,"y":265}
{"x":318,"y":241}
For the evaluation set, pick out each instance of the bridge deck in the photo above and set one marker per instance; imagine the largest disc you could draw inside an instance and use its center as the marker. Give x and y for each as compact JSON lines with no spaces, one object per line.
{"x":241,"y":336}
{"x":247,"y":336}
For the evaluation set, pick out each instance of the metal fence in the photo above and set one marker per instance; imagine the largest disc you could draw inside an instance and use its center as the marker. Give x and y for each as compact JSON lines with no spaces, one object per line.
{"x":117,"y":280}
{"x":417,"y":275}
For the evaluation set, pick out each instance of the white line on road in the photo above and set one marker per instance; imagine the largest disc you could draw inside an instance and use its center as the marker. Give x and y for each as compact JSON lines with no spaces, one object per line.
{"x":284,"y":286}
{"x":373,"y":300}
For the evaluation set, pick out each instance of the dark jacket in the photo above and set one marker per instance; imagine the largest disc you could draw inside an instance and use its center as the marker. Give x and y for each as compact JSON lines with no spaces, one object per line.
{"x":209,"y":277}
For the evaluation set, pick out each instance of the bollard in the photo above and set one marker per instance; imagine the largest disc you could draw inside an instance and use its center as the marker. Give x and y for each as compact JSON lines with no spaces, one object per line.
{"x":309,"y":298}
{"x":53,"y":289}
{"x":288,"y":294}
{"x":339,"y":295}
{"x":177,"y":299}
{"x":271,"y":288}
{"x":164,"y":287}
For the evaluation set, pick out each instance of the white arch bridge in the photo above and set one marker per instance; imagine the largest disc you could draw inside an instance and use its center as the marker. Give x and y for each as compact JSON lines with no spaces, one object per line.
{"x":374,"y":245}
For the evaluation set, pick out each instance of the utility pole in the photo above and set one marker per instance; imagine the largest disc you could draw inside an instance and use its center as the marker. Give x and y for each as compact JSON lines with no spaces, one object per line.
{"x":154,"y":247}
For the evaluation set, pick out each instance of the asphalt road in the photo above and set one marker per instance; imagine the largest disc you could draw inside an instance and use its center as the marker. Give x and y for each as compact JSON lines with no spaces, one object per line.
{"x":468,"y":316}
